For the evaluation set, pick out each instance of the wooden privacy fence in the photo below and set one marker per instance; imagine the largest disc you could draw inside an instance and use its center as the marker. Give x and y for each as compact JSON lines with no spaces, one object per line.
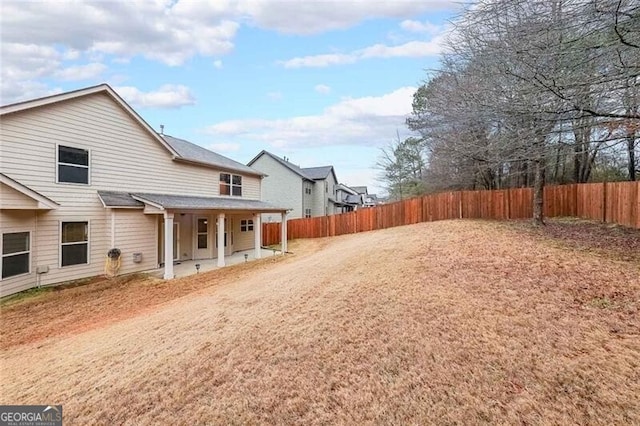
{"x":616,"y":202}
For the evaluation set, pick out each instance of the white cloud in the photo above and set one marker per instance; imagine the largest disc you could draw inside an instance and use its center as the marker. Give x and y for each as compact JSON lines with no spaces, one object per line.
{"x":366,"y":121}
{"x":167,"y":96}
{"x":159,"y":30}
{"x":312,"y":17}
{"x":11,"y":92}
{"x":80,"y":72}
{"x":319,"y":61}
{"x":66,"y":39}
{"x":420,"y":27}
{"x":322,"y":89}
{"x":412,"y":49}
{"x":225,"y":147}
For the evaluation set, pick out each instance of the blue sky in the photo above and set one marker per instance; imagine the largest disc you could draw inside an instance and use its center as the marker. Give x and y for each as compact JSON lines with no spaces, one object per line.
{"x":321,"y":82}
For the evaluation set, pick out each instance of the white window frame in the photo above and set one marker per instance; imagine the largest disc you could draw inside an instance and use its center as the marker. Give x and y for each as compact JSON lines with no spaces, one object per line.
{"x":60,"y":243}
{"x":73,"y":165}
{"x":231,"y":185}
{"x":246,"y":225}
{"x":307,"y":213}
{"x":2,"y":255}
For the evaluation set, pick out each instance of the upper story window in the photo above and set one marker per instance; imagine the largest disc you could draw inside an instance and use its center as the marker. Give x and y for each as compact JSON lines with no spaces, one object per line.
{"x":307,"y":190}
{"x":230,"y":184}
{"x":73,"y":165}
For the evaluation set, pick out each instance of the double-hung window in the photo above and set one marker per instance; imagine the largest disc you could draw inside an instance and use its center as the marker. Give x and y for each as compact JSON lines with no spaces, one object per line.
{"x":16,"y":254}
{"x":74,"y":243}
{"x":246,"y":225}
{"x":307,"y":212}
{"x":73,"y":165}
{"x":230,"y":184}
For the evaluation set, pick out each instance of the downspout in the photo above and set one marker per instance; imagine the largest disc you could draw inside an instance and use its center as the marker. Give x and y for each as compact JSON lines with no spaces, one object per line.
{"x":34,"y":261}
{"x":113,"y":228}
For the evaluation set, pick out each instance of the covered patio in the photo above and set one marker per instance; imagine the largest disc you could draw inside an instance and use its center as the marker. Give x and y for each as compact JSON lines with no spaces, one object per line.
{"x":188,"y":267}
{"x":210,"y":235}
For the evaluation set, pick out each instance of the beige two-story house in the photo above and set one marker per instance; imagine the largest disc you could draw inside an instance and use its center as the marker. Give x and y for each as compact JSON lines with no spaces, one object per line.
{"x":81,"y":173}
{"x":310,"y":191}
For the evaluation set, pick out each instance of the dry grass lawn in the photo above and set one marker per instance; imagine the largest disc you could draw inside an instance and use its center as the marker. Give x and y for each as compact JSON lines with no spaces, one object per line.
{"x":449,"y":323}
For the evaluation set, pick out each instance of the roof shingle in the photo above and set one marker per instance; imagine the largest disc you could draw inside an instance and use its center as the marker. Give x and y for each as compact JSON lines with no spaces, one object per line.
{"x":192,"y":152}
{"x":184,"y":202}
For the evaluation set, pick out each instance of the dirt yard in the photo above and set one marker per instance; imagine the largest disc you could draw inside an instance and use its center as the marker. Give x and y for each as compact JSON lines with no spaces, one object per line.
{"x":447,"y":322}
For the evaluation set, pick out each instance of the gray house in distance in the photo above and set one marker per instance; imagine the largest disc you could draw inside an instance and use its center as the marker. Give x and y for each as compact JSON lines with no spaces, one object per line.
{"x":309,"y":192}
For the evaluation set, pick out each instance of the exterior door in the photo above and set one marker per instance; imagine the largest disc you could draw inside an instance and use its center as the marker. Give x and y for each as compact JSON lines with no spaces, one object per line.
{"x":202,"y":238}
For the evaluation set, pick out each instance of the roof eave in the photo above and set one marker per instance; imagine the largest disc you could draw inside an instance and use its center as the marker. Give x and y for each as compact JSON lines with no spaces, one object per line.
{"x":217,"y":167}
{"x":149,"y":202}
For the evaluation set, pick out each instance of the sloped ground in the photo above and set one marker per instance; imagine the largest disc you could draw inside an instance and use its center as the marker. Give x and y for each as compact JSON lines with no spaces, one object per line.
{"x":446,"y":322}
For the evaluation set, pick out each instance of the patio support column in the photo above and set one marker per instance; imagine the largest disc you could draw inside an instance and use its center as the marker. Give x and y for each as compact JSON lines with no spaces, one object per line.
{"x":257,"y":236}
{"x":168,"y":246}
{"x":220,"y":240}
{"x":283,"y":237}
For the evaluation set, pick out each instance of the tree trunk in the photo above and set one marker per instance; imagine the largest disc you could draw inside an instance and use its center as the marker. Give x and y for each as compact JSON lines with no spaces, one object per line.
{"x":538,"y":191}
{"x":631,"y":148}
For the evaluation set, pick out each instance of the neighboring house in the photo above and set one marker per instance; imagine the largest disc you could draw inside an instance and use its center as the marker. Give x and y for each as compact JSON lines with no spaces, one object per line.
{"x":309,"y":191}
{"x":368,"y":200}
{"x":347,"y":199}
{"x":83,"y":173}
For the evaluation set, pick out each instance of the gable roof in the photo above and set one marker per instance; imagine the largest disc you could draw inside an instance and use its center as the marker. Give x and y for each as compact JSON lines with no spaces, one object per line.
{"x":348,"y":189}
{"x":44,"y":203}
{"x":192,"y":153}
{"x":180,"y":149}
{"x":101,"y":88}
{"x":318,"y":172}
{"x":360,"y":189}
{"x":295,"y":169}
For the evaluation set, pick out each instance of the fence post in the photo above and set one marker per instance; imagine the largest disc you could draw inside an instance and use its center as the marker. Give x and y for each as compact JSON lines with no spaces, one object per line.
{"x":604,"y":201}
{"x":460,"y":205}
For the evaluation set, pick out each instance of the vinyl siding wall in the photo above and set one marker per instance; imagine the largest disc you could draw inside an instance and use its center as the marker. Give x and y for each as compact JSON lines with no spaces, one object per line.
{"x":307,"y":199}
{"x":135,"y":232}
{"x":122,"y":157}
{"x":12,"y":199}
{"x":323,"y":189}
{"x":281,"y":187}
{"x":242,"y":240}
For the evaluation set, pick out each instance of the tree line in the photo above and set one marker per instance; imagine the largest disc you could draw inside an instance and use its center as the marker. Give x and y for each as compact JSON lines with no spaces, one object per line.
{"x":528,"y":92}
